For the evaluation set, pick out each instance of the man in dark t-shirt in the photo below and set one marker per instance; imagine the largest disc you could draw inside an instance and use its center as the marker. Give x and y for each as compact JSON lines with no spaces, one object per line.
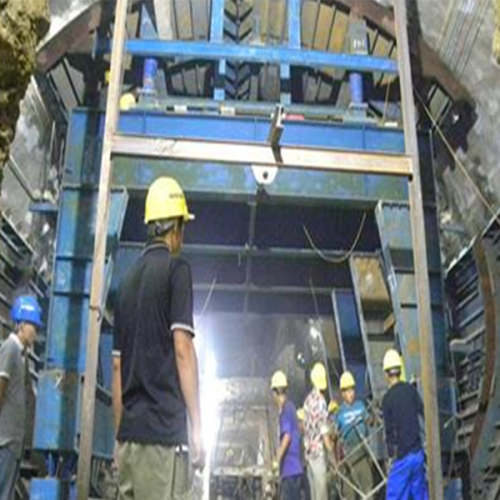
{"x":402,"y":408}
{"x":155,"y":376}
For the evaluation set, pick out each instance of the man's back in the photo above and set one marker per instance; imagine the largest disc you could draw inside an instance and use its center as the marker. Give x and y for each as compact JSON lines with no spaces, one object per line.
{"x":402,"y":406}
{"x":154,"y":298}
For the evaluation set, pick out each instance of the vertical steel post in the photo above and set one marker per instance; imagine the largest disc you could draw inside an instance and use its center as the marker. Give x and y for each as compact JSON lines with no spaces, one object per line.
{"x":294,"y":27}
{"x":101,"y":231}
{"x":420,"y":259}
{"x":217,"y":36}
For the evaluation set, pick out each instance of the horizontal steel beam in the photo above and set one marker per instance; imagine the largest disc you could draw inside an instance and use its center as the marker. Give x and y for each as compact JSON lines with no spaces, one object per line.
{"x":266,"y":290}
{"x":255,"y":54}
{"x":246,"y":251}
{"x":264,"y":155}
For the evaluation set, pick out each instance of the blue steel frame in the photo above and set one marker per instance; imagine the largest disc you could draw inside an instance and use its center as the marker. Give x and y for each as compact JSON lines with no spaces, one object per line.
{"x":207,"y":180}
{"x":57,"y":422}
{"x":264,"y":55}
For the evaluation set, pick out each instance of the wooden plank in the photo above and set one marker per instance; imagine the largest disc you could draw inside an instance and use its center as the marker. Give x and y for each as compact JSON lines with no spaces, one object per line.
{"x":429,"y":382}
{"x":97,"y":285}
{"x":257,"y":154}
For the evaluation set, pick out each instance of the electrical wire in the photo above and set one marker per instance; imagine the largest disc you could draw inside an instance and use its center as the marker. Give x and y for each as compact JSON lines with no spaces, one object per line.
{"x":347,"y":255}
{"x":465,"y":60}
{"x":458,"y":162}
{"x":446,"y":24}
{"x":206,"y":303}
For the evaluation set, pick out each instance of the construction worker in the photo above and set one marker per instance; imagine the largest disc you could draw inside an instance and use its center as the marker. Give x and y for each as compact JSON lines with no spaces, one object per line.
{"x":402,"y":408}
{"x":306,"y":491}
{"x":155,"y":369}
{"x":288,"y":460}
{"x":351,"y":424}
{"x":26,"y":315}
{"x":317,"y":440}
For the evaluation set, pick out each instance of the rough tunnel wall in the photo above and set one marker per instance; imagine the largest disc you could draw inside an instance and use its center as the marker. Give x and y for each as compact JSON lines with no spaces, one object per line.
{"x":496,"y":35}
{"x":22,"y":24}
{"x":461,"y":33}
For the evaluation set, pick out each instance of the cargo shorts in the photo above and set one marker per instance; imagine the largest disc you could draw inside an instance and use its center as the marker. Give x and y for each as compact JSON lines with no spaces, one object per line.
{"x":154,"y":472}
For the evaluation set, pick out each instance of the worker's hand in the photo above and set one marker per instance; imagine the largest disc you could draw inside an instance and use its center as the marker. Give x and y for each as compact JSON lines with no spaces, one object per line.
{"x":275,"y":466}
{"x":388,"y":464}
{"x":197,"y":451}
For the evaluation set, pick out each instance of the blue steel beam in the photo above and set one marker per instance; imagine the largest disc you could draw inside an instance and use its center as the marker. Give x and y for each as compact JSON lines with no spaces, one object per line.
{"x":210,"y":180}
{"x":263,"y":55}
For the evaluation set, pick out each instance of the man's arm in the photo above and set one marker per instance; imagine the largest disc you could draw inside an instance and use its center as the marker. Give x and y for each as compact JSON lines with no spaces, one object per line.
{"x":7,"y":360}
{"x":4,"y":382}
{"x":187,"y":367}
{"x":117,"y":392}
{"x":285,"y":443}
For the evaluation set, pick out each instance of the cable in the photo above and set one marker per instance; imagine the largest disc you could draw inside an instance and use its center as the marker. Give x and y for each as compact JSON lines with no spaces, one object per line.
{"x":446,"y":24}
{"x":206,"y":303}
{"x":459,"y":163}
{"x":347,"y":255}
{"x":467,"y":57}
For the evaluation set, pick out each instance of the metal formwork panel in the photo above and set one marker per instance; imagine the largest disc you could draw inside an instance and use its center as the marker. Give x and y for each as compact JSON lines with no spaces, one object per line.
{"x":375,"y":314}
{"x":59,"y":396}
{"x":393,"y":220}
{"x":349,"y":337}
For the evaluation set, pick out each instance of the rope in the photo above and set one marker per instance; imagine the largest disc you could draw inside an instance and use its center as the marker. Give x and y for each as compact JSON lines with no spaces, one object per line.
{"x":459,"y":163}
{"x":347,"y":255}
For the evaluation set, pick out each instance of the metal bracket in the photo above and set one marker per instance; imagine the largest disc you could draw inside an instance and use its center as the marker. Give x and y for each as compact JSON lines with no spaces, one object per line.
{"x":276,"y":130}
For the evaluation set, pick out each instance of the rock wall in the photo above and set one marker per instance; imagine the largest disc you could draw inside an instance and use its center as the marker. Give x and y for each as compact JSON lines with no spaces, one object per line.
{"x":22,"y":24}
{"x":496,"y":35}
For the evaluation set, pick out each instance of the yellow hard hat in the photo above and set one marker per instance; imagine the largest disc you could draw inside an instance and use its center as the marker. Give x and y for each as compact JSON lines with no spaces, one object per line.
{"x":301,"y":414}
{"x":347,"y":381}
{"x":392,"y":360}
{"x":127,"y":101}
{"x":333,"y":407}
{"x":166,"y":200}
{"x":318,"y":377}
{"x":279,"y":381}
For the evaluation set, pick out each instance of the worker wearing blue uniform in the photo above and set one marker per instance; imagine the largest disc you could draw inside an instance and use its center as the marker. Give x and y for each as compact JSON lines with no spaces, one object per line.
{"x":402,"y":408}
{"x":352,"y":428}
{"x":288,"y":459}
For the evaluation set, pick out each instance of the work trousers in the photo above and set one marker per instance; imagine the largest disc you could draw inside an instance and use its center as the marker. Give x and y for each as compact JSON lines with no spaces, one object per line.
{"x":359,"y":471}
{"x":316,"y":473}
{"x":290,"y":487}
{"x":153,"y":472}
{"x":407,"y":478}
{"x":9,"y":470}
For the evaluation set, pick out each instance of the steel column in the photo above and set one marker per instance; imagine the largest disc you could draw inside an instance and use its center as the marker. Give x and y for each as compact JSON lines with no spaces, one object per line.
{"x":96,"y":299}
{"x":294,"y":43}
{"x":420,"y":259}
{"x":216,"y":36}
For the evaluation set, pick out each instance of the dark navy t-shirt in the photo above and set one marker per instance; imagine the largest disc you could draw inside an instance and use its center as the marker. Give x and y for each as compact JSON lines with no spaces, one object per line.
{"x":402,"y":409}
{"x":291,"y":464}
{"x":154,"y":299}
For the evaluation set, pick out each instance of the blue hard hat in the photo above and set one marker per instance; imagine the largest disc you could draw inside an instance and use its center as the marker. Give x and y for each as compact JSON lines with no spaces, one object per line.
{"x":26,"y":309}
